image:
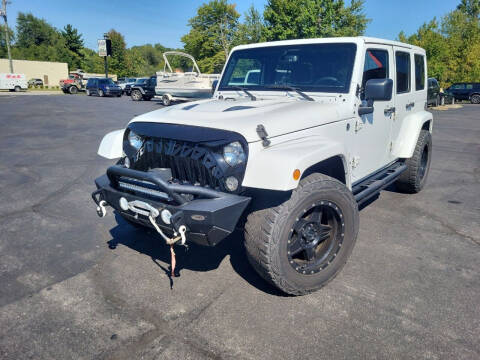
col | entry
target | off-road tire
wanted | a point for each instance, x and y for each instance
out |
(414, 178)
(136, 95)
(267, 231)
(475, 99)
(72, 90)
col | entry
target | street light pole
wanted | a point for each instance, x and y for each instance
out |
(3, 12)
(105, 36)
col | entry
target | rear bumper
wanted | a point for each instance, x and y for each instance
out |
(209, 218)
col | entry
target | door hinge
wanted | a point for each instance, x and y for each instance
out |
(358, 125)
(355, 161)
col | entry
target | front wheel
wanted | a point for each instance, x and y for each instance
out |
(17, 88)
(414, 178)
(302, 244)
(88, 92)
(73, 90)
(136, 95)
(101, 93)
(475, 99)
(166, 100)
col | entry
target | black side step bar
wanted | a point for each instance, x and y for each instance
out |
(371, 186)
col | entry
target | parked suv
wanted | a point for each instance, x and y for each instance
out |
(465, 91)
(35, 82)
(325, 126)
(144, 90)
(123, 82)
(433, 92)
(103, 87)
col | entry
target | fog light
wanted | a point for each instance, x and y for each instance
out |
(166, 216)
(231, 183)
(126, 162)
(123, 203)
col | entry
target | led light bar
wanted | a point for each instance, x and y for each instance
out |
(143, 190)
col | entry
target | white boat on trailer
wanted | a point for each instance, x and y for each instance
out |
(173, 85)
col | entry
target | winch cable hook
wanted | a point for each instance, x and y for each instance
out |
(171, 241)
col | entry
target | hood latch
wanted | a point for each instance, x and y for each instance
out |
(262, 134)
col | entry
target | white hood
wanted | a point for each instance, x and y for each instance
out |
(278, 116)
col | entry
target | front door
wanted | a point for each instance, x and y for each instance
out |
(372, 131)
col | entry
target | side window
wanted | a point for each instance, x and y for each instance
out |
(402, 60)
(420, 73)
(469, 86)
(376, 66)
(458, 86)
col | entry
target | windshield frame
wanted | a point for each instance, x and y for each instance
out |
(268, 87)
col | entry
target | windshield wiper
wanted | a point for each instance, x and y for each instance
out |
(253, 97)
(291, 88)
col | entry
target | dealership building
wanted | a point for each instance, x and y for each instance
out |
(50, 72)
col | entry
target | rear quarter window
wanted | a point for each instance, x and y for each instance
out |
(420, 73)
(402, 62)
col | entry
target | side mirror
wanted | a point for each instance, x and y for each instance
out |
(379, 89)
(376, 90)
(214, 85)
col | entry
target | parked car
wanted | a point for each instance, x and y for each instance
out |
(138, 81)
(35, 82)
(13, 82)
(465, 91)
(102, 87)
(123, 82)
(144, 90)
(433, 92)
(290, 156)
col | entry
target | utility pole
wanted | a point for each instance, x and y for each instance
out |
(3, 12)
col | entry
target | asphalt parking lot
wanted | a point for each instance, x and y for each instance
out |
(74, 286)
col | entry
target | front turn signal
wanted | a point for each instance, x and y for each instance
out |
(296, 174)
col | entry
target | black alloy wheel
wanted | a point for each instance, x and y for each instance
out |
(316, 238)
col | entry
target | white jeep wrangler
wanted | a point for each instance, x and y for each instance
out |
(320, 126)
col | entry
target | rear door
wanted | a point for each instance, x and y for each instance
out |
(407, 98)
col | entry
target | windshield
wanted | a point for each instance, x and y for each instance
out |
(311, 67)
(140, 81)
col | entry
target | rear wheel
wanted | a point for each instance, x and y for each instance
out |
(72, 89)
(475, 99)
(302, 244)
(101, 93)
(17, 88)
(88, 92)
(166, 100)
(414, 178)
(136, 95)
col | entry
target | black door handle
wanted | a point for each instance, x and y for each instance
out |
(389, 110)
(410, 105)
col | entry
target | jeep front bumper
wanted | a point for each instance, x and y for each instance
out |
(209, 218)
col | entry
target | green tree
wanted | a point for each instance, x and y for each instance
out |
(118, 62)
(470, 7)
(296, 19)
(212, 31)
(453, 45)
(74, 45)
(251, 30)
(38, 40)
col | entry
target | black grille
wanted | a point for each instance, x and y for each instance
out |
(188, 162)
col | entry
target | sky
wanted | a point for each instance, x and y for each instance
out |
(166, 21)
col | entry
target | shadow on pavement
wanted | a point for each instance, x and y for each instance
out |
(195, 258)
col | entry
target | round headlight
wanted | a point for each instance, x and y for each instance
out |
(233, 154)
(231, 183)
(135, 140)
